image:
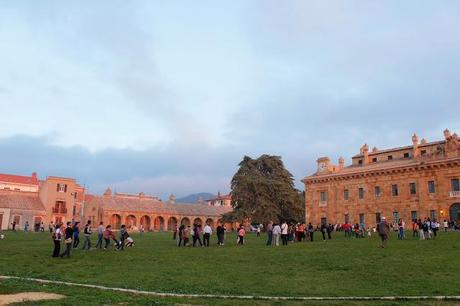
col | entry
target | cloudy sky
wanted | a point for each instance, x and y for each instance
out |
(168, 96)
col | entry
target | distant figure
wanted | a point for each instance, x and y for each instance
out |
(57, 237)
(181, 234)
(197, 234)
(51, 227)
(269, 233)
(68, 240)
(87, 232)
(76, 234)
(276, 234)
(13, 226)
(129, 242)
(284, 233)
(141, 229)
(186, 235)
(258, 231)
(207, 234)
(100, 235)
(220, 234)
(176, 229)
(108, 233)
(445, 225)
(26, 226)
(383, 228)
(323, 230)
(123, 235)
(311, 231)
(42, 227)
(401, 226)
(241, 234)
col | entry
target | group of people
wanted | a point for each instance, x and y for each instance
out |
(183, 232)
(70, 235)
(290, 232)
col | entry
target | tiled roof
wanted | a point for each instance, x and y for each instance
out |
(153, 206)
(21, 200)
(19, 179)
(434, 143)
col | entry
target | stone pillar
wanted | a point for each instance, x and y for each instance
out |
(416, 150)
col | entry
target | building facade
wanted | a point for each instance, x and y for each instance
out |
(136, 210)
(411, 182)
(220, 200)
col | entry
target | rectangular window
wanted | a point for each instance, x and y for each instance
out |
(346, 195)
(374, 160)
(347, 218)
(423, 152)
(413, 188)
(433, 215)
(406, 155)
(74, 210)
(395, 217)
(16, 220)
(377, 192)
(378, 217)
(361, 218)
(431, 187)
(361, 193)
(323, 196)
(413, 215)
(455, 184)
(61, 188)
(394, 190)
(390, 157)
(360, 162)
(324, 221)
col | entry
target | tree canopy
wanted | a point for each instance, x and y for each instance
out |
(263, 190)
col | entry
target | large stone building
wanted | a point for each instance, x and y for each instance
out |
(135, 210)
(28, 199)
(411, 182)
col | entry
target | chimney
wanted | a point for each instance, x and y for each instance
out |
(365, 152)
(416, 149)
(341, 162)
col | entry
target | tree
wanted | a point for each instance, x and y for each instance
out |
(263, 190)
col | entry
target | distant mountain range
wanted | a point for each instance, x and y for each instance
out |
(193, 198)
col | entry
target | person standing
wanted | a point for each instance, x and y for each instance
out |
(258, 231)
(269, 233)
(123, 235)
(241, 234)
(323, 229)
(414, 228)
(435, 227)
(311, 231)
(300, 232)
(276, 234)
(141, 230)
(383, 229)
(87, 232)
(175, 232)
(68, 234)
(445, 225)
(57, 237)
(329, 229)
(13, 226)
(186, 235)
(421, 234)
(76, 234)
(26, 226)
(220, 234)
(42, 227)
(401, 225)
(181, 234)
(108, 233)
(207, 231)
(284, 233)
(100, 235)
(197, 234)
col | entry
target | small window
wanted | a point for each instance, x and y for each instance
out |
(374, 160)
(406, 155)
(323, 196)
(433, 215)
(395, 217)
(361, 193)
(413, 188)
(360, 162)
(431, 187)
(61, 188)
(394, 190)
(378, 217)
(347, 218)
(361, 218)
(346, 195)
(377, 192)
(413, 215)
(423, 152)
(455, 184)
(390, 157)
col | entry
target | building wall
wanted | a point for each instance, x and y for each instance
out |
(18, 187)
(8, 216)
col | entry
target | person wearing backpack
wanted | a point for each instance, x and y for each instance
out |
(87, 232)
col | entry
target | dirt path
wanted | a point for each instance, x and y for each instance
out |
(6, 299)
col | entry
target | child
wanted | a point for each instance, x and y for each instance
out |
(129, 242)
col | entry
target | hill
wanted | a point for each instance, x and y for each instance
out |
(193, 198)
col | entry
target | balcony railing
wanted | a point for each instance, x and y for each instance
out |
(57, 210)
(454, 194)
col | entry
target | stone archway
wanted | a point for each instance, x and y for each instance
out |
(197, 221)
(210, 222)
(131, 221)
(172, 223)
(185, 221)
(454, 212)
(159, 224)
(145, 221)
(115, 221)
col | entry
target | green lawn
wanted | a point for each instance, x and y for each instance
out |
(339, 267)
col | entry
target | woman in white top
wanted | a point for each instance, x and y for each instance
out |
(276, 234)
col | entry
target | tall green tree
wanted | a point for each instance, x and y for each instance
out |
(263, 190)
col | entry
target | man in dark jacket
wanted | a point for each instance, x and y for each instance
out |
(68, 235)
(383, 229)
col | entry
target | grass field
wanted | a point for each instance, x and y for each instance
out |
(338, 267)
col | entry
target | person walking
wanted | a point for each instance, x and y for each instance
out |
(68, 234)
(383, 229)
(414, 228)
(26, 226)
(180, 235)
(220, 234)
(197, 234)
(87, 233)
(76, 234)
(13, 226)
(435, 227)
(311, 231)
(276, 234)
(51, 227)
(241, 234)
(445, 225)
(269, 233)
(57, 237)
(42, 227)
(207, 231)
(284, 233)
(186, 235)
(323, 229)
(100, 235)
(421, 234)
(108, 233)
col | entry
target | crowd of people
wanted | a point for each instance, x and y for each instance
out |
(182, 235)
(69, 235)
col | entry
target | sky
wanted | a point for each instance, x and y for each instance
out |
(167, 97)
